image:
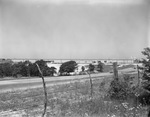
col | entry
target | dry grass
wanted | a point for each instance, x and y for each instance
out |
(71, 99)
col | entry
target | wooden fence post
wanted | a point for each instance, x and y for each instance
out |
(45, 91)
(91, 84)
(115, 70)
(136, 94)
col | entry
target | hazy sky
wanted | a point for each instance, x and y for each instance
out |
(73, 28)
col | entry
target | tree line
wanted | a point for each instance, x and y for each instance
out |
(25, 69)
(28, 69)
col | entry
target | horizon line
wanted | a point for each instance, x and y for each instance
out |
(68, 58)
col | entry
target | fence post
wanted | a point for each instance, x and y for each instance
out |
(115, 70)
(136, 94)
(138, 76)
(45, 90)
(91, 84)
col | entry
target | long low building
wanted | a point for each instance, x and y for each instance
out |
(88, 61)
(79, 61)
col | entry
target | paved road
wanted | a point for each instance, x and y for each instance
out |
(9, 85)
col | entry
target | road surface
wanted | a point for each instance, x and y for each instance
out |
(9, 85)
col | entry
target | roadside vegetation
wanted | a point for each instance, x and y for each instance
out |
(73, 99)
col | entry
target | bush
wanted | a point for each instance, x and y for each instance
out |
(144, 97)
(121, 89)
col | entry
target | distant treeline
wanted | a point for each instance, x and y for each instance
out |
(27, 69)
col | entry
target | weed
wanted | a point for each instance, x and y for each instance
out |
(74, 100)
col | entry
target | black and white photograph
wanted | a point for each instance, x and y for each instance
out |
(74, 58)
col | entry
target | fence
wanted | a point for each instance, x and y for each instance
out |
(32, 98)
(75, 96)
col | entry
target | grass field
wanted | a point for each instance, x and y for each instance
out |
(73, 99)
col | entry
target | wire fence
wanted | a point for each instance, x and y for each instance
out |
(18, 99)
(73, 92)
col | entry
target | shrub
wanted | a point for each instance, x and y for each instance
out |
(145, 95)
(121, 89)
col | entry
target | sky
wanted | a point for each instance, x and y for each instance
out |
(74, 29)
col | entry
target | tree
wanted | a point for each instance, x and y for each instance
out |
(146, 69)
(83, 68)
(145, 96)
(67, 67)
(146, 65)
(1, 72)
(27, 64)
(20, 68)
(16, 68)
(33, 69)
(100, 66)
(50, 71)
(91, 68)
(5, 69)
(43, 66)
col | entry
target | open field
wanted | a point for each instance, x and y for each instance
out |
(71, 99)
